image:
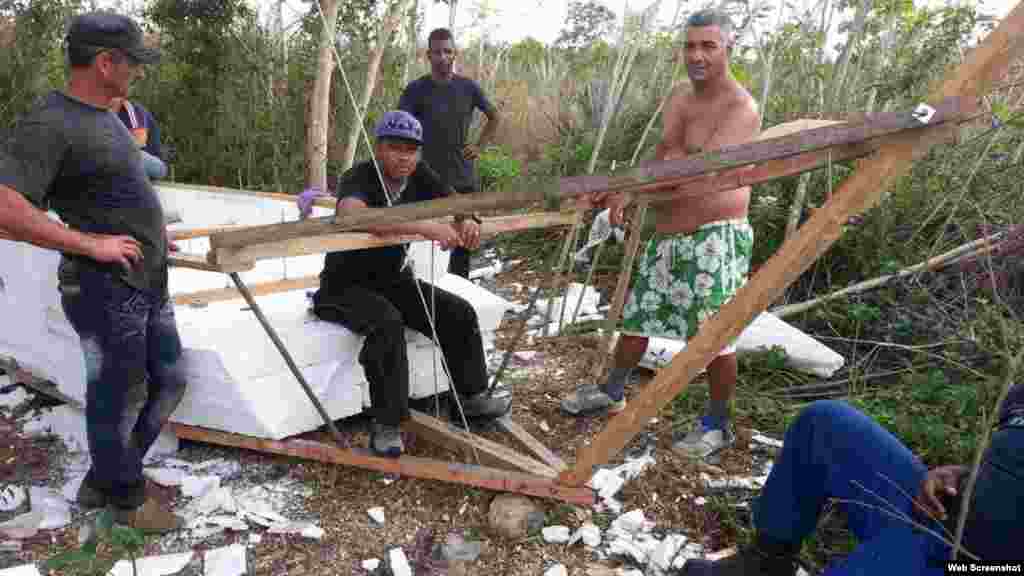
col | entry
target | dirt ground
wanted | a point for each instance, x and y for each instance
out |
(421, 513)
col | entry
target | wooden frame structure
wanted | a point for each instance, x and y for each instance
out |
(887, 144)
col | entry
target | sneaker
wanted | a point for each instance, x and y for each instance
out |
(705, 440)
(88, 497)
(151, 517)
(486, 405)
(386, 440)
(749, 561)
(591, 398)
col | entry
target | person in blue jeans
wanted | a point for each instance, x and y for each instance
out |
(70, 154)
(832, 452)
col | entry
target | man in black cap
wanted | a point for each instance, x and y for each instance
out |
(72, 155)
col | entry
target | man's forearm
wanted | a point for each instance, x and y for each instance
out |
(489, 132)
(26, 223)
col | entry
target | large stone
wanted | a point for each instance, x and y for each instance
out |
(514, 517)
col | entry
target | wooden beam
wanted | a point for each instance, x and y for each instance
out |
(411, 466)
(860, 191)
(196, 262)
(874, 126)
(491, 453)
(204, 297)
(357, 241)
(190, 233)
(531, 443)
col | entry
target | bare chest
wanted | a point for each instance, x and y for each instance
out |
(700, 127)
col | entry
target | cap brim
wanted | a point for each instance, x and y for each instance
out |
(400, 139)
(144, 55)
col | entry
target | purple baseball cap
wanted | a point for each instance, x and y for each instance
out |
(401, 125)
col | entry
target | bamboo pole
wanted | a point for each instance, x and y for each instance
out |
(590, 277)
(969, 250)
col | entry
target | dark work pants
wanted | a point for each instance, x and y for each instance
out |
(833, 451)
(134, 378)
(381, 311)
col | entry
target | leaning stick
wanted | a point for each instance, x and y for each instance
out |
(620, 289)
(590, 276)
(567, 274)
(971, 249)
(569, 241)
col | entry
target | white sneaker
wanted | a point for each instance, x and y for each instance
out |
(704, 440)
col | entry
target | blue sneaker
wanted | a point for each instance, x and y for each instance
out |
(711, 435)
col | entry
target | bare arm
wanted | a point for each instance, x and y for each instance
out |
(24, 222)
(490, 130)
(673, 132)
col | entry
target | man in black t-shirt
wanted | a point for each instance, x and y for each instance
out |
(373, 293)
(444, 102)
(71, 154)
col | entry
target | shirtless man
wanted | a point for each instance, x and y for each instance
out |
(700, 253)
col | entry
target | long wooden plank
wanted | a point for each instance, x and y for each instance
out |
(411, 466)
(874, 126)
(862, 190)
(203, 297)
(490, 453)
(197, 262)
(531, 443)
(357, 241)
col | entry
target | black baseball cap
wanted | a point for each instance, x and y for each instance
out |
(110, 30)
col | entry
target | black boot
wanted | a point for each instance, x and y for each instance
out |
(761, 559)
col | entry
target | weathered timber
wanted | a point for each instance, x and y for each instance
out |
(876, 126)
(411, 466)
(196, 262)
(531, 443)
(203, 297)
(621, 287)
(490, 453)
(190, 233)
(357, 241)
(860, 191)
(872, 126)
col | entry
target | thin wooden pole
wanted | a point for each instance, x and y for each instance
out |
(287, 357)
(569, 235)
(590, 277)
(619, 299)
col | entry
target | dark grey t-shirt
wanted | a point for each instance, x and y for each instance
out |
(81, 162)
(446, 112)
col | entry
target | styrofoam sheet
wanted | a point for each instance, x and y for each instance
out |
(803, 352)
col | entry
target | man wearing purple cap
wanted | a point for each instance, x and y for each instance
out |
(71, 154)
(373, 293)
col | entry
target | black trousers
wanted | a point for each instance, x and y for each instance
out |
(380, 310)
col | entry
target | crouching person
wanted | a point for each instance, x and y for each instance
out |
(902, 514)
(374, 294)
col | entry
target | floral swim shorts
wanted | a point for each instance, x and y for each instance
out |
(682, 280)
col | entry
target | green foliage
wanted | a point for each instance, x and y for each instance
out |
(498, 169)
(586, 22)
(118, 541)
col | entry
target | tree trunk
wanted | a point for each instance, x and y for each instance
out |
(320, 102)
(414, 14)
(391, 20)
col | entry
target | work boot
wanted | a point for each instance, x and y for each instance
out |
(750, 561)
(151, 517)
(88, 497)
(590, 398)
(386, 440)
(706, 439)
(486, 404)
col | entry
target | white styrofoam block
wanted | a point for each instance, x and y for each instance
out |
(420, 255)
(803, 352)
